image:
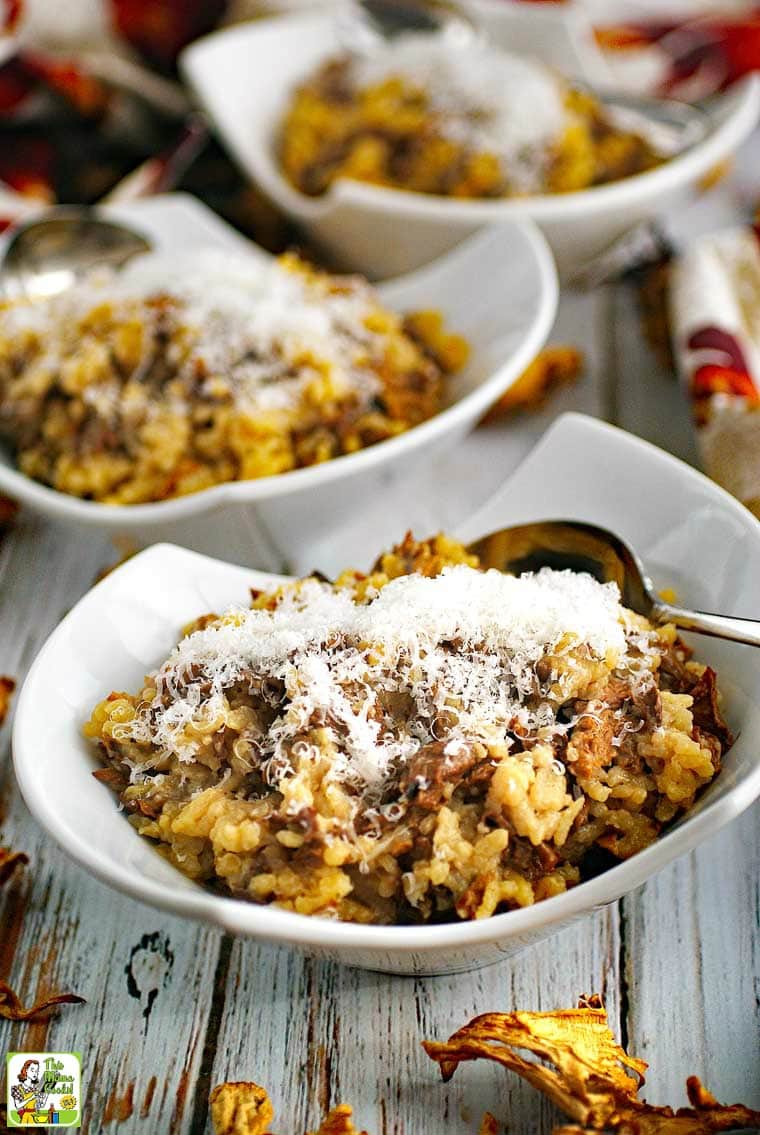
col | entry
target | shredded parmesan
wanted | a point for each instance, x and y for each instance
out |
(259, 331)
(463, 644)
(493, 101)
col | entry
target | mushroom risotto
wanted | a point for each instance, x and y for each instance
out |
(430, 741)
(177, 374)
(423, 116)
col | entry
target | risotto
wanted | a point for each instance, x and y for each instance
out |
(175, 375)
(426, 742)
(421, 116)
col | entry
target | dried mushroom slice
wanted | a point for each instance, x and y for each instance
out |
(586, 1073)
(585, 1065)
(8, 512)
(551, 369)
(240, 1109)
(244, 1108)
(7, 686)
(9, 861)
(11, 1008)
(339, 1122)
(488, 1125)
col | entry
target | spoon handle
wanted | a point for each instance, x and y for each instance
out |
(702, 622)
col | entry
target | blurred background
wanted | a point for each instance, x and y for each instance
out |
(91, 108)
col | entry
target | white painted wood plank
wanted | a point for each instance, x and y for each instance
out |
(690, 936)
(693, 970)
(315, 1034)
(147, 978)
(648, 401)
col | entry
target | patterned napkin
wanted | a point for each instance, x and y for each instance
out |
(686, 49)
(715, 295)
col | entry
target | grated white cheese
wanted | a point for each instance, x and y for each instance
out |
(491, 100)
(257, 326)
(464, 643)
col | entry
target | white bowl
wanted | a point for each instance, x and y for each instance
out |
(693, 536)
(498, 289)
(243, 75)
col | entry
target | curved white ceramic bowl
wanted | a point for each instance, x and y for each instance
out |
(242, 76)
(692, 535)
(498, 289)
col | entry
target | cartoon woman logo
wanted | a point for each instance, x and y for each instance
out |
(29, 1095)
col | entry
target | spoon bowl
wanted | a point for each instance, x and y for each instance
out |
(575, 546)
(367, 23)
(45, 256)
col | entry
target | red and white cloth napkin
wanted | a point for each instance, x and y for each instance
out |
(715, 298)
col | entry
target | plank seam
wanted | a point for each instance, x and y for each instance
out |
(199, 1119)
(624, 999)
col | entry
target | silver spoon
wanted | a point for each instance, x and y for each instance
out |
(562, 544)
(364, 24)
(46, 256)
(668, 125)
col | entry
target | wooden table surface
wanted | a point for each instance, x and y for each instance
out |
(174, 1008)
